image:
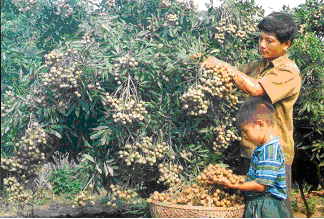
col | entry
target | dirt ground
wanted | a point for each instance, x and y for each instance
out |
(57, 208)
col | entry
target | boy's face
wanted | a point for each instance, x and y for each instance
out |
(270, 47)
(252, 132)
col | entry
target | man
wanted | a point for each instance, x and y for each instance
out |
(274, 77)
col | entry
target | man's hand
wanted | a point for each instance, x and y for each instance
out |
(220, 181)
(211, 62)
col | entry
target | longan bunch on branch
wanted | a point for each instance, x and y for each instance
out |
(187, 5)
(317, 15)
(110, 3)
(153, 26)
(16, 191)
(144, 152)
(195, 101)
(185, 154)
(218, 174)
(224, 137)
(170, 174)
(127, 109)
(170, 20)
(5, 106)
(83, 197)
(125, 62)
(11, 164)
(27, 5)
(30, 153)
(124, 193)
(217, 81)
(164, 4)
(63, 8)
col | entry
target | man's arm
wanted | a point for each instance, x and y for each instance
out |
(247, 84)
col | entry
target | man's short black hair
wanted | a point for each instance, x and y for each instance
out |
(281, 24)
(253, 109)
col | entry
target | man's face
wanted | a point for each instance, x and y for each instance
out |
(270, 47)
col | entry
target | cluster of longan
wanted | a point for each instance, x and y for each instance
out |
(124, 62)
(111, 3)
(164, 3)
(30, 154)
(29, 4)
(82, 197)
(224, 137)
(197, 195)
(194, 101)
(124, 194)
(66, 8)
(170, 174)
(62, 78)
(16, 191)
(218, 174)
(217, 82)
(185, 154)
(11, 164)
(127, 111)
(170, 20)
(144, 152)
(240, 31)
(152, 27)
(10, 97)
(317, 15)
(187, 5)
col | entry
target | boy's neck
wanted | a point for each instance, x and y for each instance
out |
(270, 135)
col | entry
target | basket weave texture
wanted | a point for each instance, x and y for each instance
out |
(165, 210)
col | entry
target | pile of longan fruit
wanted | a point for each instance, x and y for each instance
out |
(16, 191)
(218, 174)
(144, 152)
(170, 174)
(202, 193)
(128, 110)
(82, 197)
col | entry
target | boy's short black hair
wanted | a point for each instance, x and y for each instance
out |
(281, 24)
(253, 109)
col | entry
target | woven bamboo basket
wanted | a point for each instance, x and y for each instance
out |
(165, 210)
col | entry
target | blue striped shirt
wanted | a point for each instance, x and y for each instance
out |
(268, 168)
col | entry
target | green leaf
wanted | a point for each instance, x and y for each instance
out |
(88, 157)
(97, 135)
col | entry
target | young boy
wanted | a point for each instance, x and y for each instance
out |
(265, 185)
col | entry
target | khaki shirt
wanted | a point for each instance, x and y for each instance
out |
(281, 81)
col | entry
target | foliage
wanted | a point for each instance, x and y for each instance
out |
(70, 182)
(109, 88)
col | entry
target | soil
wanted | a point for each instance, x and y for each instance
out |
(58, 210)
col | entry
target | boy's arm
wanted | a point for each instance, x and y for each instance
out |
(248, 186)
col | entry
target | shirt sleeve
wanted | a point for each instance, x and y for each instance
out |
(267, 169)
(281, 83)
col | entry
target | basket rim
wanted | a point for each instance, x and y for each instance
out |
(168, 205)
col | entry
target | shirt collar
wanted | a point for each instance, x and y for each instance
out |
(273, 141)
(276, 61)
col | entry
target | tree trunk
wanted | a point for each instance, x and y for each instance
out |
(300, 186)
